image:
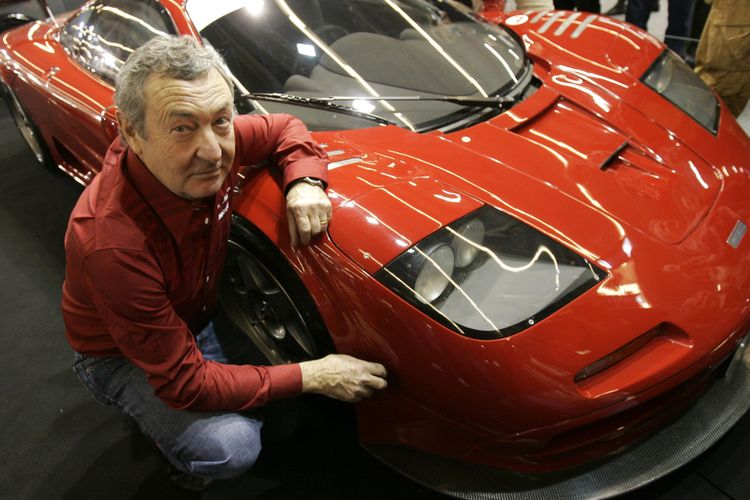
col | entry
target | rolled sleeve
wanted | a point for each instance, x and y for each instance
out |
(283, 139)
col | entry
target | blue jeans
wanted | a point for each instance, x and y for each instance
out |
(215, 445)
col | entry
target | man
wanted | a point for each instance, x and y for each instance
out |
(584, 5)
(723, 57)
(680, 13)
(145, 246)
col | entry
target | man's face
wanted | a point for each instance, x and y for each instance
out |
(189, 137)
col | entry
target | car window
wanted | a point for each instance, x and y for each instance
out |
(410, 50)
(102, 36)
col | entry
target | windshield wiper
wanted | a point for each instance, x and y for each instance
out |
(482, 102)
(314, 102)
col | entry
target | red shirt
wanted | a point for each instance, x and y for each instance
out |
(142, 268)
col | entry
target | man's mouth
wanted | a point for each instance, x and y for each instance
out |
(208, 173)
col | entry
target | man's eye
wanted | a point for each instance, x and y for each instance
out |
(223, 121)
(180, 129)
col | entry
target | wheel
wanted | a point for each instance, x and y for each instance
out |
(264, 298)
(28, 129)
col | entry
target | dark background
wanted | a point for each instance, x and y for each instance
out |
(57, 442)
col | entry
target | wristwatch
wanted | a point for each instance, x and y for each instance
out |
(312, 181)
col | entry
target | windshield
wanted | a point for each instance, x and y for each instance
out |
(368, 48)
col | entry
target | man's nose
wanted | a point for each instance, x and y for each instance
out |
(209, 148)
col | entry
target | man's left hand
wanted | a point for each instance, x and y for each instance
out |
(308, 211)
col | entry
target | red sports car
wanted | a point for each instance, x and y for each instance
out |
(539, 223)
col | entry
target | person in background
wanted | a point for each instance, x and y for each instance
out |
(535, 4)
(680, 14)
(723, 56)
(585, 5)
(520, 5)
(618, 9)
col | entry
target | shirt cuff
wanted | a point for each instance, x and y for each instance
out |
(286, 381)
(312, 167)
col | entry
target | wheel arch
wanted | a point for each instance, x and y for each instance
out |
(273, 257)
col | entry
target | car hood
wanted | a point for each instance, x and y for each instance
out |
(559, 168)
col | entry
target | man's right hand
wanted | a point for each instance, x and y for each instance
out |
(342, 377)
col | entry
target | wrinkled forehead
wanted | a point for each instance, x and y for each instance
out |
(208, 92)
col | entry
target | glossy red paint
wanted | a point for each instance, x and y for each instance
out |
(656, 219)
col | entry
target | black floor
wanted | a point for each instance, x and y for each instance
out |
(58, 443)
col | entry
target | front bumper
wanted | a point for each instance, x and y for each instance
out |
(703, 424)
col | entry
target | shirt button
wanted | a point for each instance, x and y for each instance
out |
(208, 278)
(204, 308)
(205, 221)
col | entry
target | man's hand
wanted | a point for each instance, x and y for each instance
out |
(308, 211)
(342, 377)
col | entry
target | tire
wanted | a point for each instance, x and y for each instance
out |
(28, 129)
(263, 297)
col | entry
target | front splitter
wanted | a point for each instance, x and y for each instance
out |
(707, 420)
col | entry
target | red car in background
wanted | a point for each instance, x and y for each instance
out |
(539, 223)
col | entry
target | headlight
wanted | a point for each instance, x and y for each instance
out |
(434, 275)
(467, 242)
(488, 275)
(673, 79)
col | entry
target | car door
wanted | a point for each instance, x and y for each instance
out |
(97, 41)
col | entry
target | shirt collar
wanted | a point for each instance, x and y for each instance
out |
(174, 211)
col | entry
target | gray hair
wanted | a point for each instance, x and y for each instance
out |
(182, 58)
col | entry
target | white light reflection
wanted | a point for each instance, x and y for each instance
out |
(363, 106)
(449, 197)
(203, 13)
(627, 247)
(642, 301)
(32, 30)
(289, 13)
(110, 60)
(502, 61)
(595, 202)
(516, 269)
(589, 76)
(306, 49)
(427, 257)
(500, 202)
(559, 143)
(422, 299)
(134, 19)
(459, 289)
(698, 174)
(437, 47)
(254, 7)
(45, 47)
(565, 81)
(620, 290)
(402, 241)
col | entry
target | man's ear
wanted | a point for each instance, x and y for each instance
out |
(131, 135)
